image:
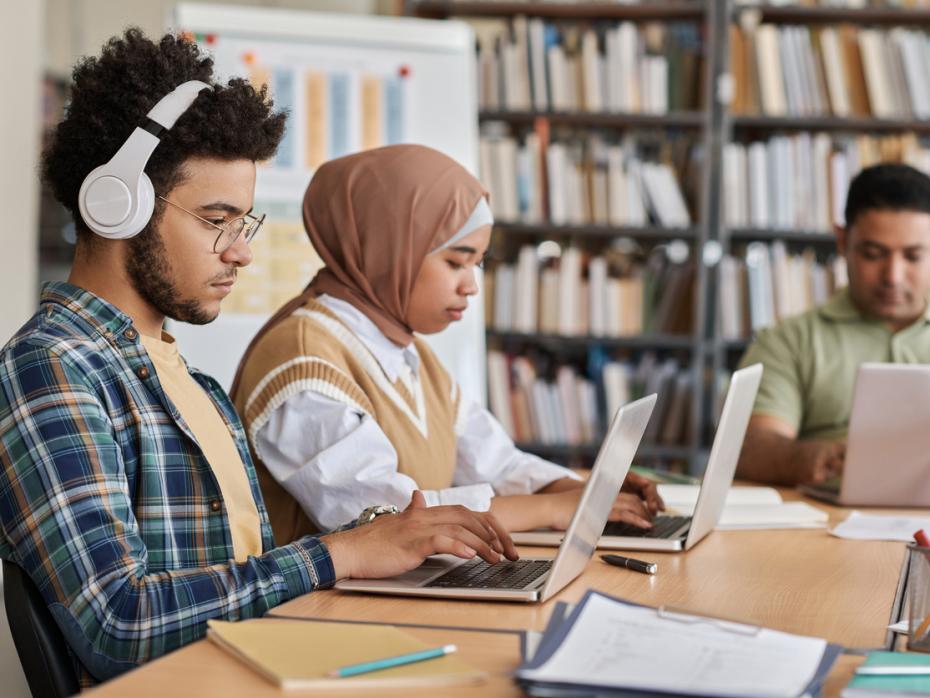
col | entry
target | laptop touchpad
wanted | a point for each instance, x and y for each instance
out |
(431, 567)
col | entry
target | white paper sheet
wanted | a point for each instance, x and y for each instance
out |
(784, 515)
(682, 498)
(858, 526)
(747, 508)
(621, 646)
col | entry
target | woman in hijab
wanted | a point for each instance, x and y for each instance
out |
(345, 407)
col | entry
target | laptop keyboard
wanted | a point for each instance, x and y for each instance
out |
(478, 574)
(662, 527)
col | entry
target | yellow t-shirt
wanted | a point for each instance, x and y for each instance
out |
(215, 440)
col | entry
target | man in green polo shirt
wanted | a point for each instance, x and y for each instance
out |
(797, 433)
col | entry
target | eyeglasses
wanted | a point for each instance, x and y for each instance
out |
(228, 232)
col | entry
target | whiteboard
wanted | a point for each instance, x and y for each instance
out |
(434, 105)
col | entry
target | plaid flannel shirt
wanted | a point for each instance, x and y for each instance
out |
(107, 501)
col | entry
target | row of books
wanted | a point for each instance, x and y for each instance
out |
(768, 284)
(851, 4)
(555, 404)
(530, 64)
(800, 181)
(841, 70)
(580, 181)
(576, 294)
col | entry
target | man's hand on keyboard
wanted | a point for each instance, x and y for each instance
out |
(394, 544)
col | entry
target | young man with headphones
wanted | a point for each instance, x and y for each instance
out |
(127, 493)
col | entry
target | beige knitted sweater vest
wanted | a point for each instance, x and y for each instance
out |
(313, 350)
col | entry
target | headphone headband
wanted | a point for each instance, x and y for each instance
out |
(116, 200)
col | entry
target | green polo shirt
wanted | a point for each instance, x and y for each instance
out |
(811, 361)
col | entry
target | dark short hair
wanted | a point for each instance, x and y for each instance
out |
(887, 187)
(111, 94)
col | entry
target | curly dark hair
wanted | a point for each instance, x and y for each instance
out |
(111, 94)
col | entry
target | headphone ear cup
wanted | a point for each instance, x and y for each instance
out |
(104, 201)
(144, 209)
(105, 197)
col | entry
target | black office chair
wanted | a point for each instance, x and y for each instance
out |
(39, 643)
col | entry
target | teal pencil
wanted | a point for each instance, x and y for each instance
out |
(388, 662)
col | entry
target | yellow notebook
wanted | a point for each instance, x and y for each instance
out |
(296, 654)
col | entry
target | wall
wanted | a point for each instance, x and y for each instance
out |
(20, 73)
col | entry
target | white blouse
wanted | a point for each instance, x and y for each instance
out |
(335, 460)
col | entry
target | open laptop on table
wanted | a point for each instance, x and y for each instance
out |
(673, 533)
(888, 448)
(534, 579)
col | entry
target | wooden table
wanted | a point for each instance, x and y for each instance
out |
(799, 581)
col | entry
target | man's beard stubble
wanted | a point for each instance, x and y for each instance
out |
(150, 273)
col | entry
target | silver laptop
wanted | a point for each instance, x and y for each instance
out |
(673, 533)
(534, 579)
(888, 446)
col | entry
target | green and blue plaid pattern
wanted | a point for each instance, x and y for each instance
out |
(107, 501)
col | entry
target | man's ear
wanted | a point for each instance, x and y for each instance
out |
(842, 238)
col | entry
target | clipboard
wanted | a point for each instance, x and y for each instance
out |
(556, 634)
(679, 615)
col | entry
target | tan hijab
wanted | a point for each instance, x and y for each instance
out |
(373, 217)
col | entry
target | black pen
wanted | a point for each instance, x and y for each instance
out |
(630, 563)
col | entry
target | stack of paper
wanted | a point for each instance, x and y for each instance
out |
(747, 508)
(880, 527)
(299, 655)
(611, 647)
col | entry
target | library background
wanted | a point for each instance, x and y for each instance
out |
(664, 175)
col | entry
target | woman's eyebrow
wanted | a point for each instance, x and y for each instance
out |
(464, 249)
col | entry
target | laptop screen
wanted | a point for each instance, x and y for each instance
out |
(610, 469)
(724, 454)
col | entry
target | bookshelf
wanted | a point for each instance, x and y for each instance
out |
(679, 119)
(561, 343)
(803, 237)
(822, 13)
(687, 121)
(840, 102)
(641, 232)
(671, 9)
(827, 128)
(849, 124)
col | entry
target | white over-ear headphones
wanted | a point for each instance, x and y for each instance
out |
(117, 199)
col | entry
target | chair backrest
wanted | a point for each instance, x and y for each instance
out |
(39, 643)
